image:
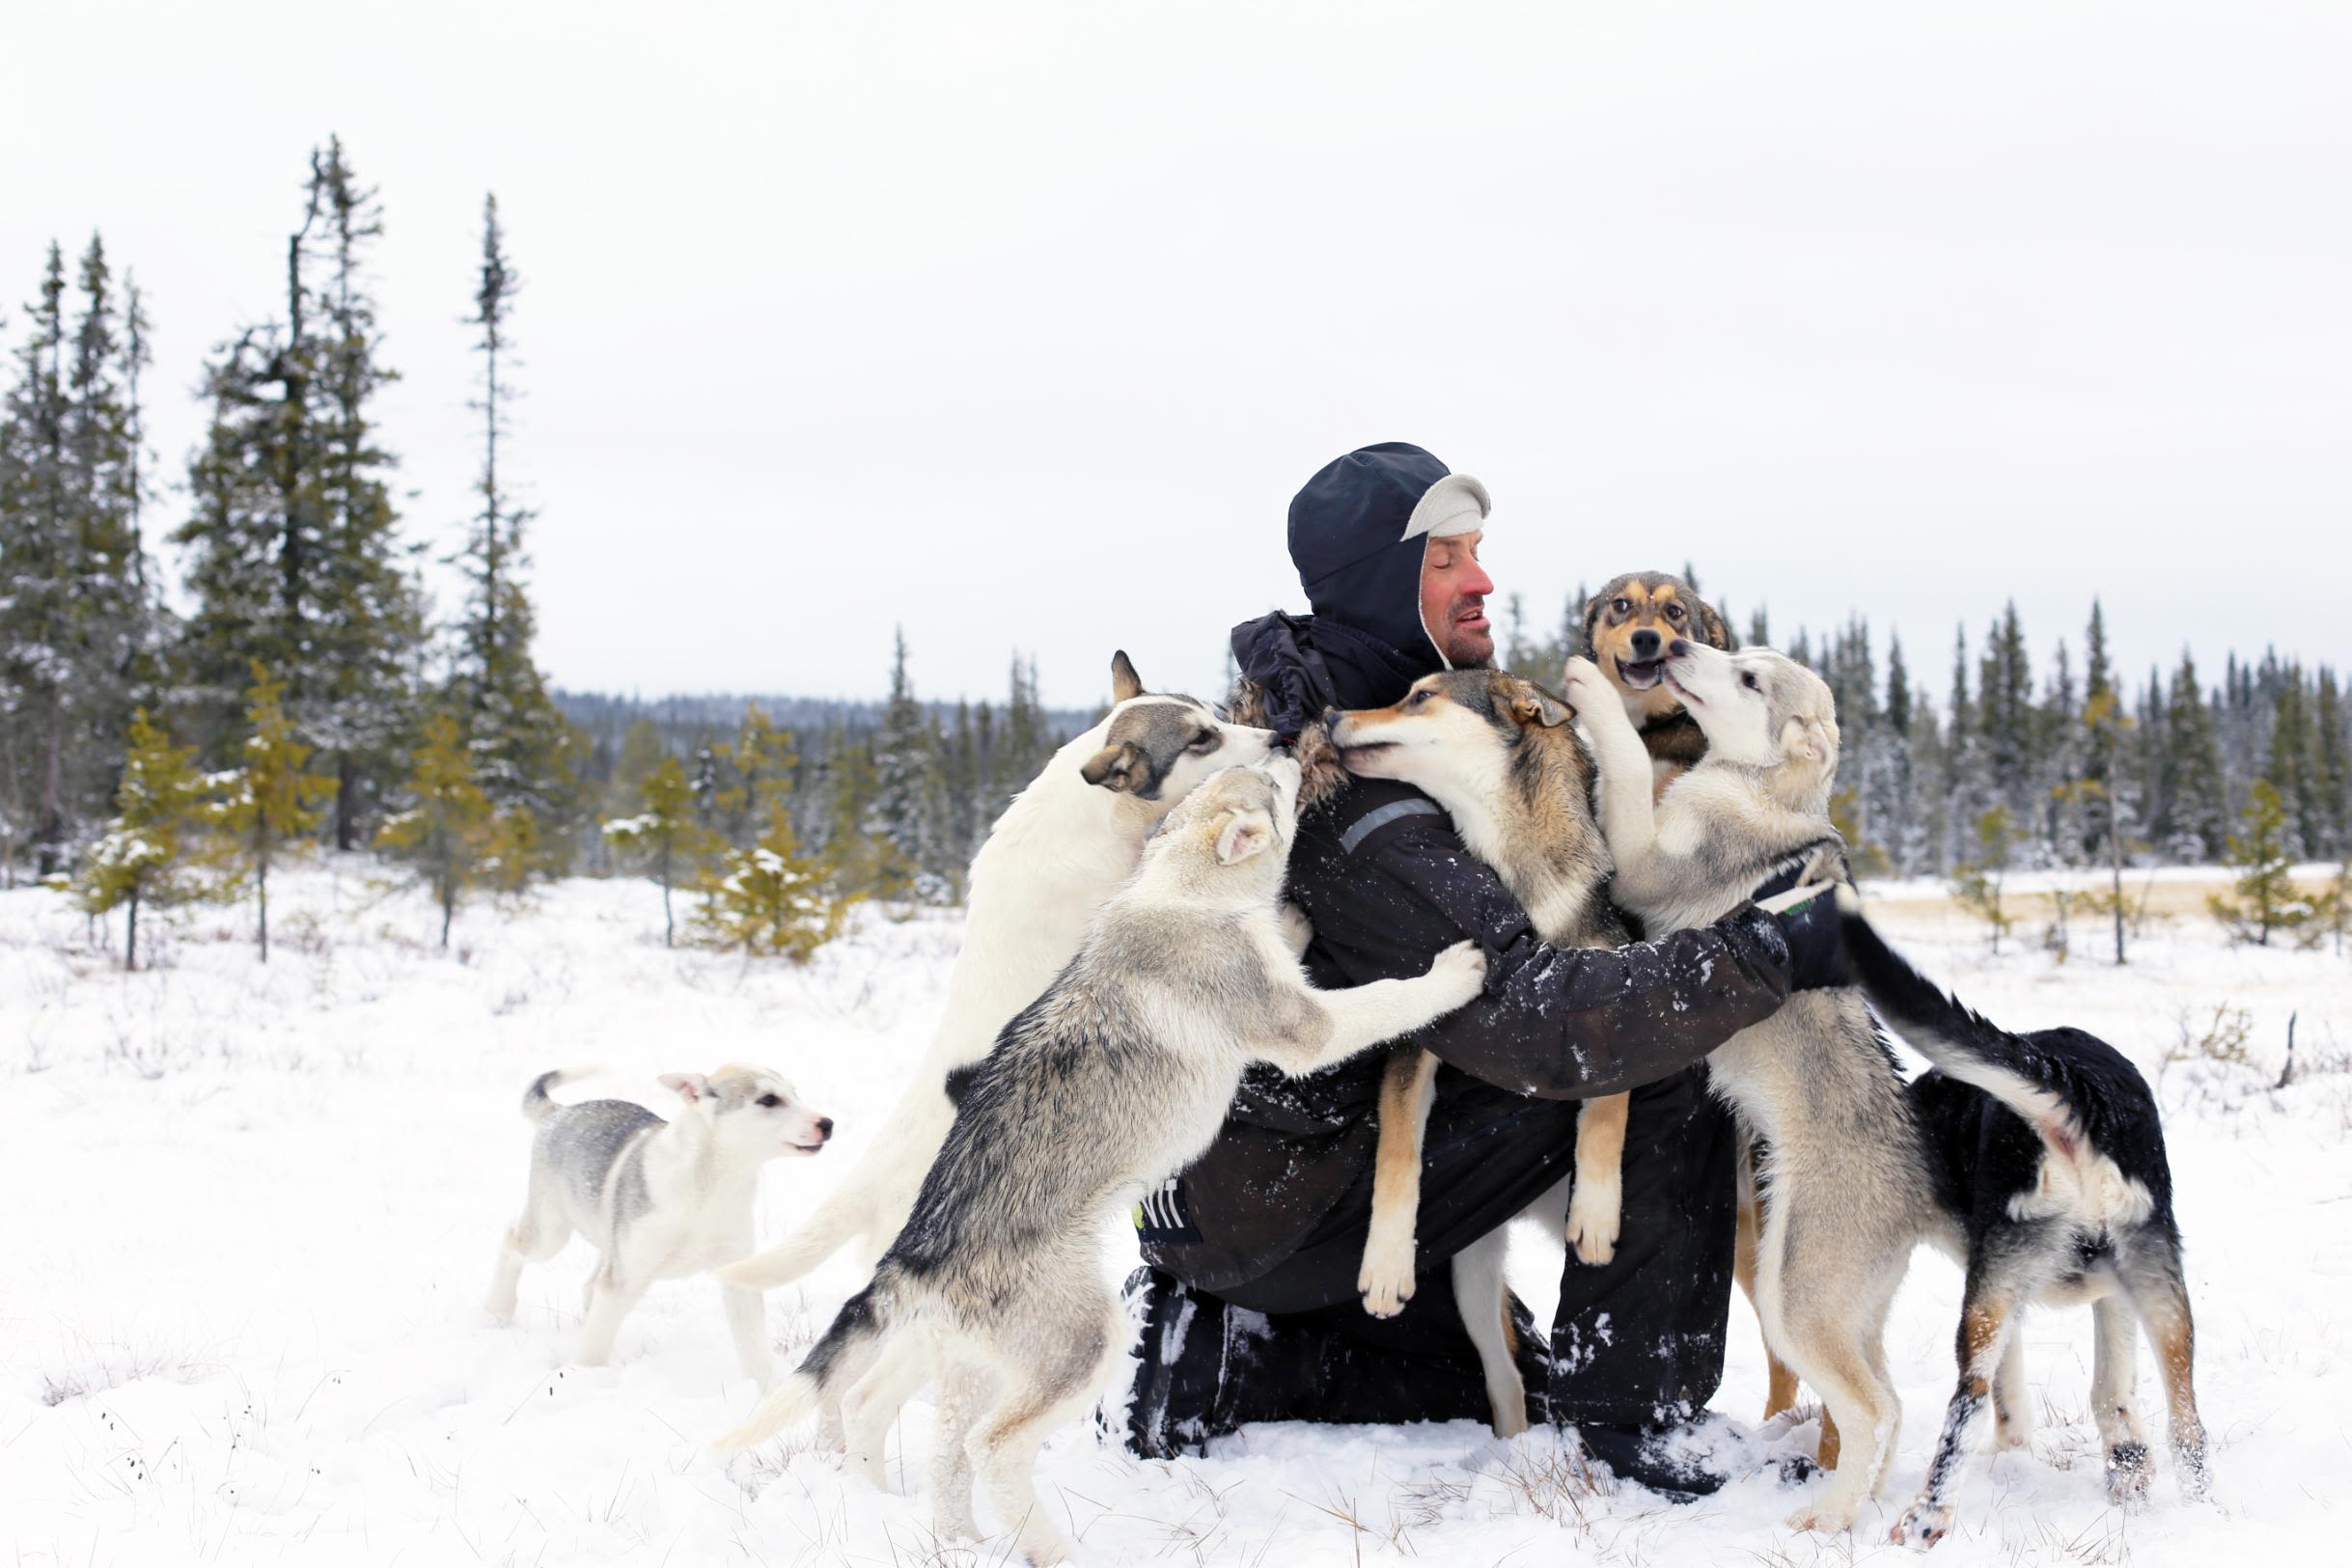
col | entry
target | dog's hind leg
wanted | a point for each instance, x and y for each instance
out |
(1596, 1207)
(1781, 1381)
(2153, 1276)
(1479, 1296)
(2012, 1403)
(1987, 1323)
(611, 1297)
(1833, 1335)
(874, 1401)
(534, 1238)
(1036, 1398)
(2115, 1400)
(961, 1390)
(1385, 1278)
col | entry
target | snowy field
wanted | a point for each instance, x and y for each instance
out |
(251, 1213)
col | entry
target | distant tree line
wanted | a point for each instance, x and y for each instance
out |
(308, 694)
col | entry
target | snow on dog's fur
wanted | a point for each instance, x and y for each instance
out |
(1115, 1079)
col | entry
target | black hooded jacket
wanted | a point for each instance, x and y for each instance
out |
(1386, 883)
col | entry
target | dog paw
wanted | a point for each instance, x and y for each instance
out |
(1921, 1526)
(2011, 1429)
(2127, 1474)
(1593, 1220)
(1586, 688)
(1463, 969)
(1297, 930)
(1826, 1515)
(1385, 1282)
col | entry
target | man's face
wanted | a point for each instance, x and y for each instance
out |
(1454, 589)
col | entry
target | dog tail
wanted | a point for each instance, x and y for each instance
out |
(1953, 1036)
(537, 1104)
(862, 1317)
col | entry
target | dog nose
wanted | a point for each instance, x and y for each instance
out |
(1645, 645)
(825, 1126)
(1677, 647)
(1332, 716)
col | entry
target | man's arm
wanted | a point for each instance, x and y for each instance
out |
(1558, 1023)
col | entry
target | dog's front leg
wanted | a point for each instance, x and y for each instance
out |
(1385, 1278)
(1625, 798)
(1362, 1016)
(747, 1322)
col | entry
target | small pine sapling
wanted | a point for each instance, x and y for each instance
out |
(445, 832)
(666, 835)
(772, 899)
(159, 851)
(1975, 883)
(273, 799)
(2265, 899)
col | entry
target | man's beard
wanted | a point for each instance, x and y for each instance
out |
(1464, 648)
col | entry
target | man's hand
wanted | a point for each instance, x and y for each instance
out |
(1817, 952)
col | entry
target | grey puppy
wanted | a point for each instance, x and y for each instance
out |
(1114, 1080)
(661, 1199)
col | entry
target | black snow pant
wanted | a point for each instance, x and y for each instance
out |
(1637, 1342)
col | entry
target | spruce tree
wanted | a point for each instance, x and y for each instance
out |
(156, 853)
(1976, 881)
(2193, 784)
(524, 751)
(293, 550)
(445, 826)
(274, 797)
(2332, 767)
(38, 567)
(902, 760)
(2290, 766)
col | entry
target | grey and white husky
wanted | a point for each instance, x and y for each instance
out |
(1860, 1167)
(661, 1199)
(1114, 1080)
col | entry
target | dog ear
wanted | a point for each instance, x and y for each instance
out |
(1121, 767)
(1810, 738)
(691, 1087)
(1592, 618)
(1124, 681)
(1538, 706)
(1243, 834)
(1713, 630)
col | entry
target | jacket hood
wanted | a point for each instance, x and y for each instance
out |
(1359, 529)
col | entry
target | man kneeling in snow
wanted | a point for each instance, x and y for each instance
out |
(1249, 1290)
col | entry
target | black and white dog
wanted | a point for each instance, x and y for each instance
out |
(2047, 1151)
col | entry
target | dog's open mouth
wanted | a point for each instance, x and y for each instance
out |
(1350, 756)
(1640, 674)
(808, 1148)
(1678, 688)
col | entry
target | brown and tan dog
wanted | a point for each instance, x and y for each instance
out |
(1628, 626)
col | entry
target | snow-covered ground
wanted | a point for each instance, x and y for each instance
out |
(251, 1210)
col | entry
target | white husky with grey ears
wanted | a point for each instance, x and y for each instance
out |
(1114, 1080)
(661, 1199)
(1061, 848)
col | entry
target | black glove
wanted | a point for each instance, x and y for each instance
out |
(1816, 953)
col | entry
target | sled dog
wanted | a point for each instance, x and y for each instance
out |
(1500, 755)
(1845, 1189)
(1060, 849)
(1115, 1079)
(661, 1199)
(1860, 1167)
(2046, 1151)
(1627, 626)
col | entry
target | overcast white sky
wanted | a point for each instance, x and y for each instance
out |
(1020, 322)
